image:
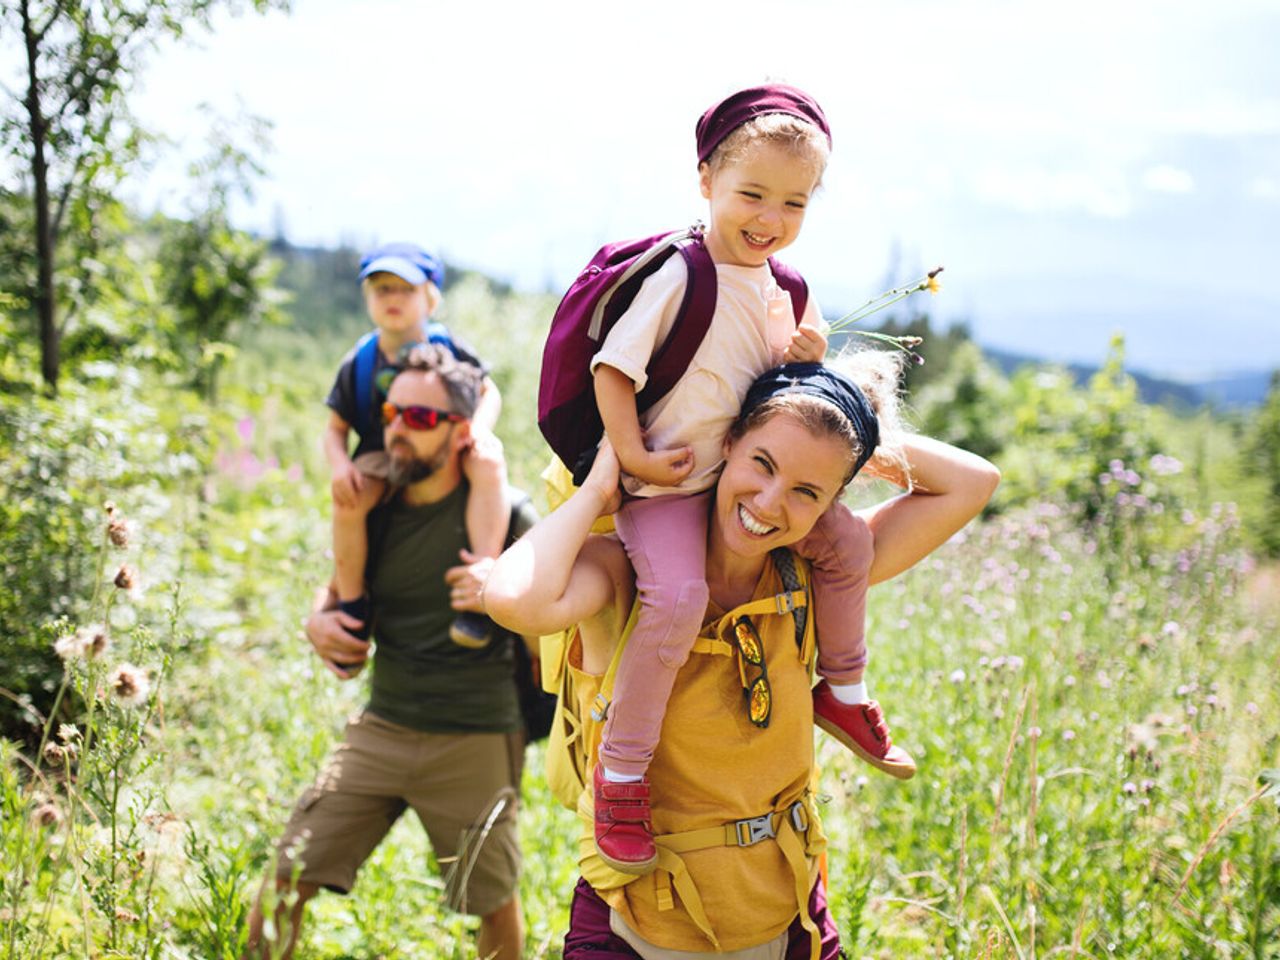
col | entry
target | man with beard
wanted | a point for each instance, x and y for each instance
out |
(442, 729)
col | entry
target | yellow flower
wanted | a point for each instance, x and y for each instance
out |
(932, 285)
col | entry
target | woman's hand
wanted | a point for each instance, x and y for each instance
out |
(604, 477)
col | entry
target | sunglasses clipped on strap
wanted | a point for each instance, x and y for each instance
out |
(418, 418)
(756, 691)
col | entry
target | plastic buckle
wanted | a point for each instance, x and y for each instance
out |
(754, 829)
(799, 816)
(785, 602)
(599, 709)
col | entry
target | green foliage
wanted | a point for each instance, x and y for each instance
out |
(1261, 456)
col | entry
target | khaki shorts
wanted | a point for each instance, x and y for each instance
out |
(464, 788)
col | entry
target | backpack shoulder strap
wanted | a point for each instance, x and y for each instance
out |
(784, 562)
(693, 319)
(789, 279)
(366, 359)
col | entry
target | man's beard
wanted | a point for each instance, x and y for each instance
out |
(407, 469)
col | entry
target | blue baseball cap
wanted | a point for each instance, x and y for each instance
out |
(408, 261)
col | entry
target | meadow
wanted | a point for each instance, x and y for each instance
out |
(1087, 677)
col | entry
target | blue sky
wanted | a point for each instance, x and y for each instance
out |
(1078, 169)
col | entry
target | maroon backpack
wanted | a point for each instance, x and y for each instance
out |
(567, 413)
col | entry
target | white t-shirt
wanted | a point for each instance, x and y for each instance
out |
(749, 333)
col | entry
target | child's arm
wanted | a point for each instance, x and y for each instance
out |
(948, 488)
(346, 480)
(616, 399)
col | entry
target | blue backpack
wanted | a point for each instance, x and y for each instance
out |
(567, 413)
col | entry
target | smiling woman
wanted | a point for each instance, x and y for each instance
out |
(737, 835)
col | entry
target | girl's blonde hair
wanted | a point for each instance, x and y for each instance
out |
(799, 137)
(878, 374)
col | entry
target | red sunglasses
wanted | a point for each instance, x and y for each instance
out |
(418, 418)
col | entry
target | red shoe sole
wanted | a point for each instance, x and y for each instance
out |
(636, 868)
(902, 771)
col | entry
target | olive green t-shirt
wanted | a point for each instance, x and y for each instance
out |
(421, 678)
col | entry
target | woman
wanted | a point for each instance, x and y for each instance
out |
(732, 812)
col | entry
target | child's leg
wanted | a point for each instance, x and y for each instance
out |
(351, 539)
(839, 550)
(666, 540)
(488, 515)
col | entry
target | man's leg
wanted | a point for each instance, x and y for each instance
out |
(502, 932)
(288, 921)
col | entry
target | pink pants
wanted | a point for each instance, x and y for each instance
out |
(666, 541)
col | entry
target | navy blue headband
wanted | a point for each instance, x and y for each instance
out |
(815, 380)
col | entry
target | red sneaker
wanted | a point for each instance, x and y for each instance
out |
(624, 831)
(862, 729)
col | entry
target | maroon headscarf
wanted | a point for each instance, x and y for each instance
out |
(735, 110)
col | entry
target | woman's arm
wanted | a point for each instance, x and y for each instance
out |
(949, 487)
(555, 576)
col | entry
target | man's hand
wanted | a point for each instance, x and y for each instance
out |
(342, 653)
(346, 484)
(808, 345)
(466, 582)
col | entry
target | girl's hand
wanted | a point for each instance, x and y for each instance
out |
(346, 485)
(808, 345)
(662, 468)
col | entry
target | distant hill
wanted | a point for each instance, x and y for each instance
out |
(1247, 389)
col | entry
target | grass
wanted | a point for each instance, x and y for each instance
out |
(1092, 707)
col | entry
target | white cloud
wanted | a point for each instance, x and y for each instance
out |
(1264, 188)
(1036, 190)
(1167, 179)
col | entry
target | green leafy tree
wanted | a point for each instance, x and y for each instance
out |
(1262, 458)
(71, 130)
(218, 280)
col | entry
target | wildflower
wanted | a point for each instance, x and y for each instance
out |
(47, 814)
(68, 732)
(1171, 628)
(118, 532)
(861, 782)
(1068, 735)
(1116, 466)
(1191, 710)
(1251, 708)
(1148, 785)
(54, 755)
(94, 641)
(1165, 466)
(957, 676)
(126, 916)
(129, 684)
(1065, 616)
(1034, 733)
(1129, 788)
(1211, 701)
(1068, 681)
(126, 578)
(67, 647)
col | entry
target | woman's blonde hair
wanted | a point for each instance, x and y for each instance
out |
(799, 137)
(878, 374)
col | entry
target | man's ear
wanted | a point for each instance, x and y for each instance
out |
(462, 435)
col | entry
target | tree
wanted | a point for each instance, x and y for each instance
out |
(72, 131)
(1261, 456)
